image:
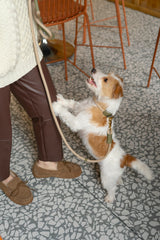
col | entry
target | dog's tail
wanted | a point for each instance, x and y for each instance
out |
(140, 167)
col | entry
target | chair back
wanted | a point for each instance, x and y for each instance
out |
(54, 11)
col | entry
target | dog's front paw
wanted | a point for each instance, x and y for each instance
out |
(60, 99)
(57, 108)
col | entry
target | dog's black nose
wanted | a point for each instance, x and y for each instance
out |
(93, 70)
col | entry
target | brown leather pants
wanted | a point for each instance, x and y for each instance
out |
(30, 93)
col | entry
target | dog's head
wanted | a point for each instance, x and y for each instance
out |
(109, 85)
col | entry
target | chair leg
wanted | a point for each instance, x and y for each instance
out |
(90, 39)
(84, 23)
(84, 30)
(154, 55)
(125, 19)
(75, 41)
(120, 29)
(92, 13)
(64, 49)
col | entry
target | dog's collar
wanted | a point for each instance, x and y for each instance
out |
(104, 111)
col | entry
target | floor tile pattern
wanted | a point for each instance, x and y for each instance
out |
(75, 209)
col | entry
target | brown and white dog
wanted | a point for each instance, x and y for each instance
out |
(86, 118)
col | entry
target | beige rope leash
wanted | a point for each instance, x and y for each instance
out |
(48, 94)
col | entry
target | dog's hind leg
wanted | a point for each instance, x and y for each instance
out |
(110, 197)
(109, 183)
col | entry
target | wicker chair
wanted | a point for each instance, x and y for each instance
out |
(58, 12)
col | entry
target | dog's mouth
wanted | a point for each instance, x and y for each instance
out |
(91, 82)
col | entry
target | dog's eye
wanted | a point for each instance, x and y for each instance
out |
(105, 79)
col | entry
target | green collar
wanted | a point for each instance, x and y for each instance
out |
(104, 111)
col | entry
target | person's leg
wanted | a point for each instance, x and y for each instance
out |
(30, 93)
(10, 183)
(5, 133)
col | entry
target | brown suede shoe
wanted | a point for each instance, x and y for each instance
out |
(64, 170)
(17, 191)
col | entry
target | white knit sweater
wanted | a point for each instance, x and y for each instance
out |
(16, 49)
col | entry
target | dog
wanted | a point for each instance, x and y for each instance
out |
(87, 118)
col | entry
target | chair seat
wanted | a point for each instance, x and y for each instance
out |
(60, 11)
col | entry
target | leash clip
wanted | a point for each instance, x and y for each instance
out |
(107, 114)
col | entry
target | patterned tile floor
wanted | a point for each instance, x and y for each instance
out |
(75, 209)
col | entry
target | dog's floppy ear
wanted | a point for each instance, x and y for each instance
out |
(117, 91)
(120, 78)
